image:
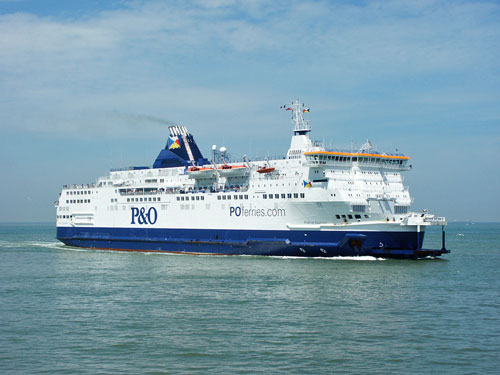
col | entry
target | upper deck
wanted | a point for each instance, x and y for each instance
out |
(180, 167)
(366, 159)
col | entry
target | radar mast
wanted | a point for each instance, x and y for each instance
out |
(301, 126)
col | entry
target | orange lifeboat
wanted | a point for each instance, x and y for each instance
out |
(232, 170)
(266, 170)
(198, 172)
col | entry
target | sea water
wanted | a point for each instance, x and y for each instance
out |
(65, 310)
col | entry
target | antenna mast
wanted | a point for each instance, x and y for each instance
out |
(301, 126)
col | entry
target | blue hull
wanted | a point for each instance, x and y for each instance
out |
(250, 242)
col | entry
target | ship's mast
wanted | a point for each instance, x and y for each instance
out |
(301, 127)
(300, 140)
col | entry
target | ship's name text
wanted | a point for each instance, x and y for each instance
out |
(144, 217)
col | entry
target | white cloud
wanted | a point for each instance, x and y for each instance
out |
(221, 58)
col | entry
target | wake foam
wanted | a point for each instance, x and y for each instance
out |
(60, 246)
(31, 244)
(363, 258)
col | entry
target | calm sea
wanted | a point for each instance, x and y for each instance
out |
(65, 310)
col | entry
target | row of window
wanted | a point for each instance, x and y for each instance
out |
(351, 217)
(324, 158)
(295, 154)
(235, 197)
(142, 191)
(146, 199)
(198, 198)
(79, 192)
(64, 216)
(193, 198)
(78, 201)
(283, 196)
(199, 189)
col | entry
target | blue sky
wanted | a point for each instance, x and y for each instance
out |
(90, 85)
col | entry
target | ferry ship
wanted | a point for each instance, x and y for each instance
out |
(312, 202)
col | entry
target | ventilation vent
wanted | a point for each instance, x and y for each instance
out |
(401, 209)
(358, 208)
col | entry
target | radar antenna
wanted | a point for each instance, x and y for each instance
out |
(366, 148)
